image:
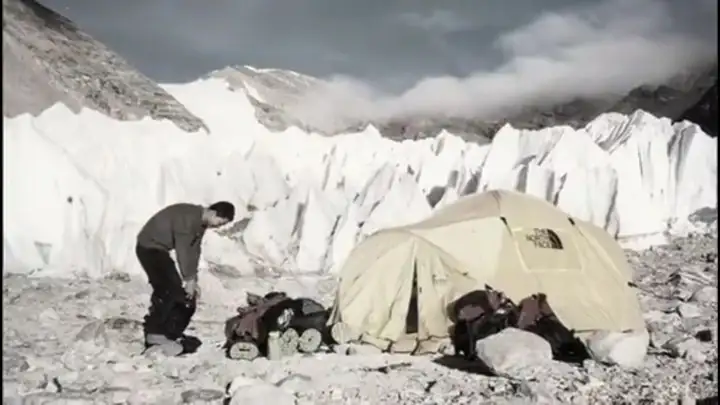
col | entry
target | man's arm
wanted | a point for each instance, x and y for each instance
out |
(187, 251)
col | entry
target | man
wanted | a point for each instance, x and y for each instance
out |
(178, 227)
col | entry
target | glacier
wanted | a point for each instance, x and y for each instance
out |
(78, 187)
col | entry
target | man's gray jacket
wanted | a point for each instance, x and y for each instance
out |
(179, 227)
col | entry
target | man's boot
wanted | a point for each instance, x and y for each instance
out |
(160, 343)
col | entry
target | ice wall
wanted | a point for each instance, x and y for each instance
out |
(79, 187)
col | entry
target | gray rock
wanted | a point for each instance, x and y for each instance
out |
(81, 353)
(623, 349)
(65, 380)
(12, 388)
(123, 324)
(696, 355)
(686, 347)
(93, 331)
(118, 395)
(711, 257)
(169, 349)
(705, 294)
(241, 382)
(12, 399)
(686, 280)
(86, 381)
(201, 396)
(119, 276)
(48, 398)
(658, 338)
(123, 367)
(295, 383)
(151, 397)
(34, 380)
(341, 349)
(262, 394)
(688, 311)
(683, 294)
(360, 349)
(654, 316)
(47, 59)
(123, 380)
(510, 351)
(14, 363)
(48, 316)
(536, 394)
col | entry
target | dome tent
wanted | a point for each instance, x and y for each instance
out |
(515, 243)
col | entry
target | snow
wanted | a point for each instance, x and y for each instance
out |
(80, 186)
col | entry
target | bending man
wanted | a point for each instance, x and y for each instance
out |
(178, 227)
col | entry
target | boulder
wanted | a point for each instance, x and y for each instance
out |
(510, 351)
(688, 311)
(623, 349)
(687, 348)
(252, 391)
(705, 294)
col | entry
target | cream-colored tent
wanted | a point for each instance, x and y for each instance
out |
(515, 243)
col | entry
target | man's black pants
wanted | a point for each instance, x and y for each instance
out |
(170, 310)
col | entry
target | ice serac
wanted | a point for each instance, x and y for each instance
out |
(317, 223)
(53, 211)
(693, 172)
(575, 162)
(655, 192)
(512, 149)
(269, 234)
(345, 238)
(305, 200)
(401, 202)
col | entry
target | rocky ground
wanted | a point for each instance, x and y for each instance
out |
(79, 342)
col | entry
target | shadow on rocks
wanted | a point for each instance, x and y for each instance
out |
(708, 401)
(460, 363)
(123, 324)
(190, 344)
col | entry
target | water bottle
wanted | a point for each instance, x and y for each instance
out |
(274, 351)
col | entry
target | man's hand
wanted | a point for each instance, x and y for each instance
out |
(192, 290)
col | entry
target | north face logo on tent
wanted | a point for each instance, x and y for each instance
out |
(544, 239)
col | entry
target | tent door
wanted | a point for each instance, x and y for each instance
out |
(412, 318)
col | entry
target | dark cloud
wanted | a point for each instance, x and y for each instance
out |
(385, 42)
(467, 57)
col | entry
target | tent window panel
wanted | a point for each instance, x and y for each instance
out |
(546, 250)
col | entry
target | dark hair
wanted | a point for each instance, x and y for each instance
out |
(273, 294)
(224, 209)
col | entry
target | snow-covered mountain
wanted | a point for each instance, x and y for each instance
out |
(275, 94)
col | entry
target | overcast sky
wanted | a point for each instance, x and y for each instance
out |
(179, 40)
(459, 51)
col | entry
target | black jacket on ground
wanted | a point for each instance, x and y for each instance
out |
(176, 227)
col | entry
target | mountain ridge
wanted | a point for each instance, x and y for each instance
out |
(687, 95)
(47, 59)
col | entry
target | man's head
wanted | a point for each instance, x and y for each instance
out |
(218, 214)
